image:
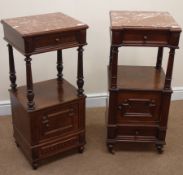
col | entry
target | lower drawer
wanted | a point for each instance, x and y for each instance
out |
(137, 131)
(57, 147)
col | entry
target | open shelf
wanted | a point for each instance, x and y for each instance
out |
(140, 78)
(48, 93)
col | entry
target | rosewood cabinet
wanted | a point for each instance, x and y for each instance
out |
(48, 116)
(139, 96)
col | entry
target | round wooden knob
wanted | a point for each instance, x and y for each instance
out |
(44, 117)
(71, 110)
(57, 39)
(119, 107)
(145, 37)
(136, 133)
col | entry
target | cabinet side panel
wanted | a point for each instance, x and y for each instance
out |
(111, 127)
(166, 97)
(13, 38)
(82, 122)
(21, 126)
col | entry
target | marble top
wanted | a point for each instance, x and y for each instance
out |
(46, 23)
(142, 19)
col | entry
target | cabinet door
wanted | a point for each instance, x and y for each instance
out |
(60, 120)
(137, 133)
(138, 106)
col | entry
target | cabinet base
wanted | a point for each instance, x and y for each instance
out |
(55, 126)
(112, 143)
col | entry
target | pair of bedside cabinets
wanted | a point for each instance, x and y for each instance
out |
(49, 116)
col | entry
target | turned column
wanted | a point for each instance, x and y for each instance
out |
(12, 73)
(110, 57)
(80, 81)
(159, 58)
(169, 70)
(30, 93)
(114, 66)
(59, 65)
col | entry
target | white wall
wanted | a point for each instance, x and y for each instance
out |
(96, 14)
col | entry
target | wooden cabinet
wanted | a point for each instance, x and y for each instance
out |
(139, 96)
(48, 116)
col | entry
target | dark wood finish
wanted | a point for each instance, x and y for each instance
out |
(80, 81)
(169, 71)
(139, 96)
(56, 125)
(114, 62)
(12, 68)
(139, 78)
(59, 91)
(159, 58)
(110, 57)
(51, 118)
(30, 93)
(59, 65)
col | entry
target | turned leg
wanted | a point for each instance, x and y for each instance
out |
(81, 149)
(114, 66)
(80, 81)
(110, 147)
(59, 65)
(159, 58)
(110, 57)
(159, 148)
(169, 71)
(12, 72)
(30, 93)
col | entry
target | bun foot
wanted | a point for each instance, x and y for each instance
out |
(35, 165)
(111, 148)
(81, 149)
(159, 148)
(17, 144)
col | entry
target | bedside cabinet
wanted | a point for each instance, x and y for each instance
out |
(48, 116)
(139, 96)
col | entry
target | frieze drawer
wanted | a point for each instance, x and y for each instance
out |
(141, 37)
(55, 40)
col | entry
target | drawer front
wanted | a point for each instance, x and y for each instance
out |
(57, 147)
(143, 37)
(56, 122)
(138, 106)
(139, 131)
(55, 40)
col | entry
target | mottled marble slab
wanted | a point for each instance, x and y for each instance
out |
(142, 19)
(30, 25)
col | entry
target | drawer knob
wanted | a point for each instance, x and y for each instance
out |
(145, 37)
(136, 133)
(57, 39)
(71, 110)
(44, 117)
(119, 107)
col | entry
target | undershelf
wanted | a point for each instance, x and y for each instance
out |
(139, 78)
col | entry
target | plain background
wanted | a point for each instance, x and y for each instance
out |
(95, 13)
